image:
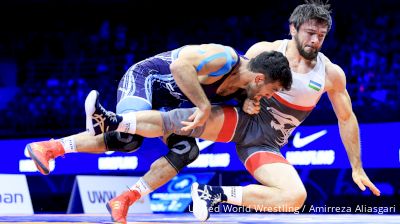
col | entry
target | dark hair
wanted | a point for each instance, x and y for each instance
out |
(313, 9)
(275, 67)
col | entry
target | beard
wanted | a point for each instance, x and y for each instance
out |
(307, 55)
(251, 93)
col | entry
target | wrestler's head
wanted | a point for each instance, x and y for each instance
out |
(309, 25)
(272, 73)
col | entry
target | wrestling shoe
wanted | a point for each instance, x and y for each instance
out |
(98, 119)
(204, 198)
(118, 207)
(42, 152)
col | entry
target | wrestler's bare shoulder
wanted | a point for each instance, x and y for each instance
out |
(335, 76)
(259, 47)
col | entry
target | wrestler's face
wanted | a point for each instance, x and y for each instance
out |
(309, 38)
(258, 89)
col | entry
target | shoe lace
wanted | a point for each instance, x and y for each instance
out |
(119, 209)
(102, 116)
(213, 198)
(122, 205)
(53, 153)
(216, 199)
(50, 154)
(109, 114)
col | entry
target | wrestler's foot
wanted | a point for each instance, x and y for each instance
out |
(118, 207)
(42, 152)
(204, 198)
(98, 119)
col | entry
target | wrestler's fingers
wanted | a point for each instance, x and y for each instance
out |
(372, 187)
(192, 117)
(187, 125)
(360, 184)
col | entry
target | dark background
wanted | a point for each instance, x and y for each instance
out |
(52, 53)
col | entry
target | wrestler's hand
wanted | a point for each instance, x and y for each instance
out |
(251, 106)
(198, 118)
(362, 180)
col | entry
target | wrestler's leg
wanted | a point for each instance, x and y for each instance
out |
(281, 188)
(88, 143)
(155, 124)
(42, 152)
(150, 124)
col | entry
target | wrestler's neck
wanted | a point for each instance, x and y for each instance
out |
(239, 79)
(242, 77)
(296, 61)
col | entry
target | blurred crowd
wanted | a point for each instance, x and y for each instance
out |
(59, 64)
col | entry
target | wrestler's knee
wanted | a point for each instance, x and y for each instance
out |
(183, 151)
(294, 197)
(122, 142)
(272, 169)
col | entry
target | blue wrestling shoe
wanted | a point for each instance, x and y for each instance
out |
(98, 119)
(204, 198)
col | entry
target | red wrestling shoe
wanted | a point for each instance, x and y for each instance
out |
(42, 152)
(118, 207)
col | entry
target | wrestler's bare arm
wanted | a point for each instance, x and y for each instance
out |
(191, 68)
(348, 124)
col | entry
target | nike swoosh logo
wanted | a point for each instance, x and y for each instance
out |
(299, 142)
(204, 144)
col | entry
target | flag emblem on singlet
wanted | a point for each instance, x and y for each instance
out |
(314, 85)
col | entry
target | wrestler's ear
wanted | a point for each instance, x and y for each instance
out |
(293, 30)
(259, 78)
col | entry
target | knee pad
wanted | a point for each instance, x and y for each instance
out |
(122, 142)
(182, 151)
